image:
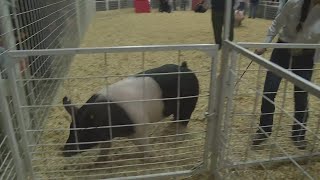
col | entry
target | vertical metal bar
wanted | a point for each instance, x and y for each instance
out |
(20, 115)
(7, 125)
(230, 94)
(78, 13)
(218, 111)
(20, 40)
(92, 9)
(22, 91)
(9, 41)
(264, 10)
(212, 100)
(6, 26)
(227, 19)
(258, 87)
(145, 146)
(107, 5)
(119, 4)
(108, 94)
(178, 118)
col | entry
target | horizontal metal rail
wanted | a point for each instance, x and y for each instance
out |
(278, 45)
(278, 70)
(285, 159)
(96, 50)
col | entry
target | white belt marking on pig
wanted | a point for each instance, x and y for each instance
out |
(137, 88)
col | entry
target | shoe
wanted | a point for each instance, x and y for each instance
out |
(300, 142)
(260, 137)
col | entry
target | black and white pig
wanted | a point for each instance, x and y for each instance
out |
(147, 86)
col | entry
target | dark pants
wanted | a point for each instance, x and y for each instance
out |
(217, 23)
(271, 86)
(253, 9)
(242, 6)
(183, 5)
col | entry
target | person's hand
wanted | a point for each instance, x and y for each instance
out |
(260, 51)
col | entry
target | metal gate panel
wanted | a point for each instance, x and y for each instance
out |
(93, 68)
(243, 75)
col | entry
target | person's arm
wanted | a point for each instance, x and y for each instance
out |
(277, 24)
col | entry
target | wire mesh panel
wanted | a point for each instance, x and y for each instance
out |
(101, 5)
(12, 157)
(267, 9)
(7, 163)
(43, 25)
(7, 168)
(133, 141)
(286, 153)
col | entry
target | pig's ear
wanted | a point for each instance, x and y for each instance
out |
(84, 108)
(93, 98)
(71, 109)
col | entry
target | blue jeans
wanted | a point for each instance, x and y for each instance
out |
(302, 65)
(253, 9)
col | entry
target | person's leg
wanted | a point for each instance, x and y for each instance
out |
(174, 7)
(271, 86)
(254, 11)
(303, 66)
(231, 34)
(217, 23)
(241, 6)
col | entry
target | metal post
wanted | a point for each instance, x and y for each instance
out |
(119, 4)
(78, 14)
(219, 111)
(227, 19)
(230, 86)
(10, 40)
(7, 127)
(92, 9)
(212, 100)
(107, 5)
(220, 93)
(20, 115)
(11, 45)
(6, 26)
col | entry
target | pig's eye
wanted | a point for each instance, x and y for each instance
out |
(91, 116)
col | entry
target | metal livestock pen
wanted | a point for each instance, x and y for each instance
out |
(37, 73)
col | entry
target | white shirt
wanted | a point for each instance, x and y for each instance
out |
(288, 20)
(281, 4)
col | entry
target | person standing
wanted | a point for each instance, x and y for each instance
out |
(253, 8)
(298, 22)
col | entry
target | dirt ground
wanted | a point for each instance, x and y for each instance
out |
(125, 28)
